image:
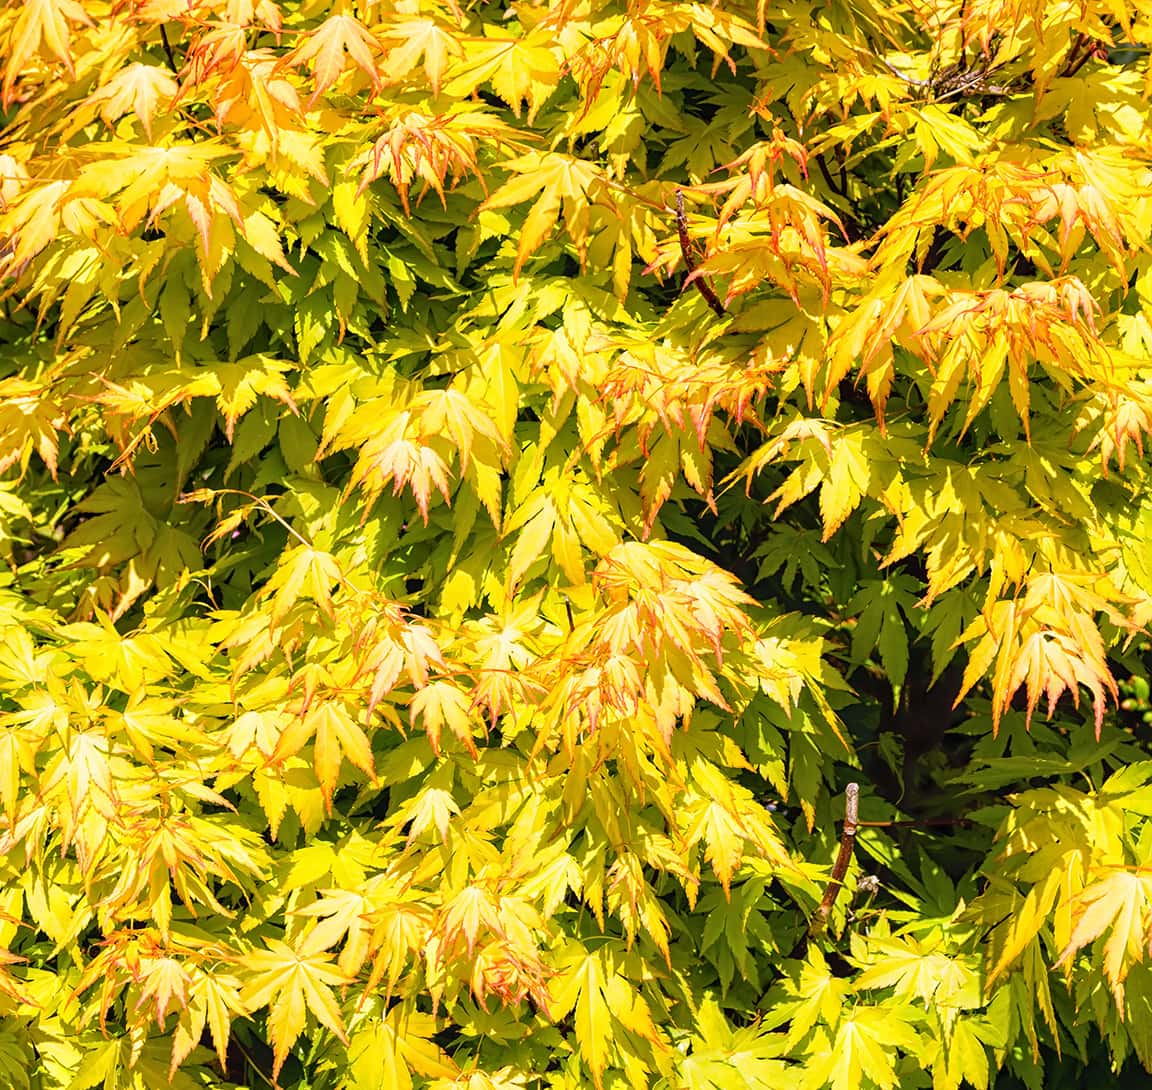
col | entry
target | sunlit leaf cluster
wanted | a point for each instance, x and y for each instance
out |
(479, 481)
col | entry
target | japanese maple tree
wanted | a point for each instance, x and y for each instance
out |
(583, 543)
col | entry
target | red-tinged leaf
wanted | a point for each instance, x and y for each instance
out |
(469, 914)
(11, 987)
(440, 704)
(337, 737)
(394, 456)
(312, 326)
(166, 981)
(328, 48)
(436, 149)
(1119, 902)
(453, 413)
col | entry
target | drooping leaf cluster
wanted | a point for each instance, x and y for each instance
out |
(480, 480)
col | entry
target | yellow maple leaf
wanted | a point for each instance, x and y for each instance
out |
(411, 39)
(1119, 903)
(329, 47)
(139, 88)
(519, 70)
(293, 982)
(556, 181)
(440, 704)
(41, 24)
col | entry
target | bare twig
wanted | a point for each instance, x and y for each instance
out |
(954, 82)
(702, 285)
(840, 190)
(963, 51)
(841, 161)
(840, 867)
(900, 75)
(168, 50)
(1082, 51)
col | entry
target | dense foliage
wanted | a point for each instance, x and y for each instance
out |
(481, 481)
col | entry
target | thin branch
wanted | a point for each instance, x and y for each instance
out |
(900, 75)
(963, 61)
(702, 285)
(956, 82)
(1083, 49)
(1074, 51)
(848, 219)
(207, 495)
(839, 190)
(168, 50)
(840, 867)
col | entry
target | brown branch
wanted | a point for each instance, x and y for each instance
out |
(1083, 60)
(1076, 56)
(954, 82)
(702, 285)
(843, 858)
